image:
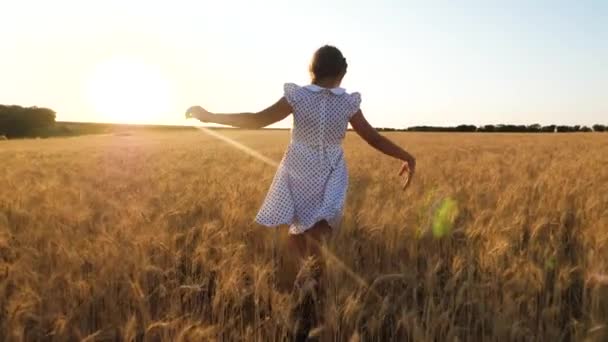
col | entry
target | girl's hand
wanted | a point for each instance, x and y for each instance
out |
(409, 166)
(199, 113)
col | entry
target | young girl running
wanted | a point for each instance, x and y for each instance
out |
(309, 188)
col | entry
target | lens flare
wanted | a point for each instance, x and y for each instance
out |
(444, 217)
(241, 147)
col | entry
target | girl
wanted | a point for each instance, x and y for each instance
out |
(309, 188)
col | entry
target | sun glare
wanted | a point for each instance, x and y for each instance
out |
(125, 90)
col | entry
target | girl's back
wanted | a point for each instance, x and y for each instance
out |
(321, 115)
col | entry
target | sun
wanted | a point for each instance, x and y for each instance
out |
(127, 90)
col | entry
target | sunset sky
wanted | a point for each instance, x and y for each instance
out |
(415, 62)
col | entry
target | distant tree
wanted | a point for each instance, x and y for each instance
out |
(466, 128)
(420, 129)
(576, 128)
(564, 129)
(486, 128)
(430, 129)
(548, 129)
(510, 128)
(534, 128)
(599, 128)
(17, 121)
(586, 129)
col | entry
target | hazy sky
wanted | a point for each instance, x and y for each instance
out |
(415, 62)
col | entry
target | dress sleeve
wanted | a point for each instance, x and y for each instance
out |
(354, 100)
(290, 91)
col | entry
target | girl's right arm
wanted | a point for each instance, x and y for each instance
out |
(277, 112)
(383, 144)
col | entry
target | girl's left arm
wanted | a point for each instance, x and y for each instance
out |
(277, 112)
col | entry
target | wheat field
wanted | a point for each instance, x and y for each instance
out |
(150, 237)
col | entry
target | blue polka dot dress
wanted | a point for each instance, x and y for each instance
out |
(311, 180)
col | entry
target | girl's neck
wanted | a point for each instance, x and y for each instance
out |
(328, 83)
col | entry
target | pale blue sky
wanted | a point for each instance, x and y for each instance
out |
(415, 62)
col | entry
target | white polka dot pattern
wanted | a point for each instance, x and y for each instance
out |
(311, 181)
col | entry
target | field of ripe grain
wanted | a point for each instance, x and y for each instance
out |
(150, 237)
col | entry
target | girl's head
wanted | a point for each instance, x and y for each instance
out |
(328, 64)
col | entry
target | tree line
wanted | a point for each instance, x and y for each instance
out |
(17, 121)
(535, 128)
